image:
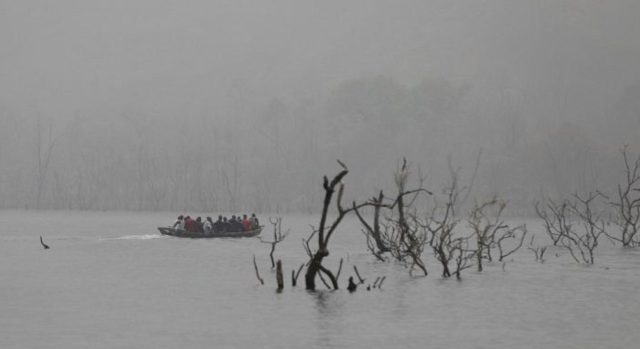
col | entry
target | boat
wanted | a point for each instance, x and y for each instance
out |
(229, 234)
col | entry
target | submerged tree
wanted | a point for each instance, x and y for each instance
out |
(556, 217)
(447, 245)
(627, 203)
(278, 237)
(376, 233)
(400, 233)
(325, 231)
(411, 239)
(441, 224)
(575, 225)
(492, 232)
(582, 240)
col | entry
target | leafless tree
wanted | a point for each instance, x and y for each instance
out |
(556, 219)
(582, 239)
(441, 224)
(278, 237)
(448, 244)
(401, 232)
(485, 225)
(461, 254)
(325, 231)
(538, 252)
(411, 237)
(509, 234)
(627, 203)
(372, 231)
(492, 232)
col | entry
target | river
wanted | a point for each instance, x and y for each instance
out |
(111, 281)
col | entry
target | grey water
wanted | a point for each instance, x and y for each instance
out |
(110, 280)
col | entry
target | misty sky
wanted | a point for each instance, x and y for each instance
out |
(63, 56)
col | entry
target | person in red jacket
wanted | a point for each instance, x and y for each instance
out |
(190, 225)
(245, 223)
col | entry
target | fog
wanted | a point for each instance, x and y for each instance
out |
(244, 105)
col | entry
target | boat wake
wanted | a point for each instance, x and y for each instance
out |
(139, 237)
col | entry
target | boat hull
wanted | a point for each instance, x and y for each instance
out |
(187, 234)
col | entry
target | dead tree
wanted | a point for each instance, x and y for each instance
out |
(538, 252)
(461, 254)
(411, 239)
(556, 220)
(278, 237)
(583, 242)
(447, 244)
(325, 231)
(508, 235)
(372, 231)
(485, 225)
(441, 224)
(401, 233)
(627, 203)
(492, 232)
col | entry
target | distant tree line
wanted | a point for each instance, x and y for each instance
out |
(262, 155)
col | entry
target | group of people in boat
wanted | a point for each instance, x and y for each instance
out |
(222, 225)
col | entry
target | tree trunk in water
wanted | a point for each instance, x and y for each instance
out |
(279, 277)
(310, 275)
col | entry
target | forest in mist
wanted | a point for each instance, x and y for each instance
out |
(243, 106)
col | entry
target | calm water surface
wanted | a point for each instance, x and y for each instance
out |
(111, 281)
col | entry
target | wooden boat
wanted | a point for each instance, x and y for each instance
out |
(187, 234)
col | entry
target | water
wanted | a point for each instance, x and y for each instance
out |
(111, 281)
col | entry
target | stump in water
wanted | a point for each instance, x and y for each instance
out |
(46, 247)
(352, 286)
(255, 266)
(279, 278)
(294, 275)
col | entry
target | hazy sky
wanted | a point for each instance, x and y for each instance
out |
(66, 55)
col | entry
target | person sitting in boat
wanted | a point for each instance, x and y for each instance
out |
(236, 225)
(226, 226)
(199, 226)
(246, 225)
(217, 226)
(232, 223)
(255, 224)
(239, 226)
(190, 225)
(208, 226)
(179, 223)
